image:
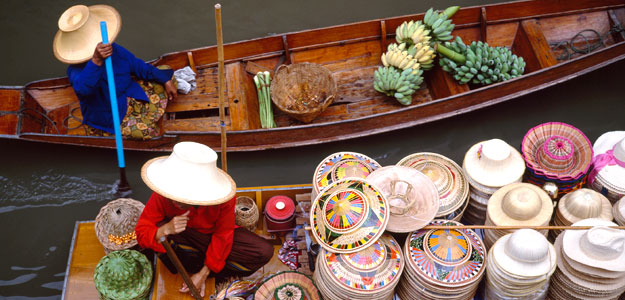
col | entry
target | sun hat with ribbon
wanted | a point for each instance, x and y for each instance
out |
(79, 31)
(494, 163)
(609, 162)
(189, 175)
(601, 246)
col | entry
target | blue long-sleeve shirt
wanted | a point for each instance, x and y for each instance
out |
(91, 86)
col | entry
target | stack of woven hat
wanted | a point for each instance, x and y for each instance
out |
(442, 263)
(591, 263)
(452, 185)
(340, 165)
(578, 205)
(519, 266)
(489, 165)
(557, 153)
(608, 173)
(618, 211)
(517, 204)
(287, 286)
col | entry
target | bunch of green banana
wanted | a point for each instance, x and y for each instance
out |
(401, 85)
(479, 63)
(440, 24)
(412, 33)
(397, 56)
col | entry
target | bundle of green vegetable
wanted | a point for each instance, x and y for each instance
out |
(263, 82)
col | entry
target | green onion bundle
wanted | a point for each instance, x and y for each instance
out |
(263, 82)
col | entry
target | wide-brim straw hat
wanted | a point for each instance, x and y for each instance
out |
(79, 31)
(494, 163)
(189, 175)
(115, 224)
(339, 165)
(449, 178)
(557, 150)
(583, 204)
(287, 285)
(610, 147)
(348, 215)
(412, 197)
(525, 253)
(520, 204)
(600, 247)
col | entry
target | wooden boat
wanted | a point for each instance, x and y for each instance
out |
(46, 110)
(86, 251)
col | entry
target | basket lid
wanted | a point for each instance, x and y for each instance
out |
(115, 223)
(340, 165)
(280, 208)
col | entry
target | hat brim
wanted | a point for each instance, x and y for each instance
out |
(508, 173)
(188, 192)
(499, 217)
(571, 247)
(72, 52)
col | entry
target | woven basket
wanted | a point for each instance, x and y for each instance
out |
(115, 224)
(303, 90)
(246, 213)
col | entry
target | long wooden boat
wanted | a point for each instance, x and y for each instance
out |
(47, 111)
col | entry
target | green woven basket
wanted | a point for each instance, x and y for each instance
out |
(123, 275)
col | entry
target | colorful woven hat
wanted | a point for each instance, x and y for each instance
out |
(412, 197)
(123, 275)
(350, 214)
(288, 285)
(453, 188)
(600, 247)
(609, 165)
(115, 224)
(557, 150)
(583, 204)
(520, 204)
(494, 163)
(340, 165)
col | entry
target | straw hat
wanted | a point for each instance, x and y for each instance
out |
(340, 165)
(609, 161)
(520, 204)
(494, 163)
(79, 31)
(600, 247)
(287, 285)
(583, 204)
(412, 197)
(189, 175)
(115, 224)
(525, 252)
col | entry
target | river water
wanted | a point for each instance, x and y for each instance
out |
(45, 189)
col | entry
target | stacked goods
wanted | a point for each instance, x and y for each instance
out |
(123, 274)
(412, 197)
(489, 165)
(479, 63)
(339, 165)
(618, 210)
(263, 82)
(519, 266)
(608, 163)
(557, 153)
(449, 179)
(370, 273)
(591, 263)
(442, 264)
(516, 204)
(287, 286)
(578, 205)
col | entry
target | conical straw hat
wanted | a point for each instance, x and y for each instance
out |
(340, 165)
(520, 204)
(494, 163)
(79, 31)
(583, 204)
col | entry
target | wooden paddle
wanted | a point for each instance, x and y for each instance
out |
(220, 59)
(123, 188)
(183, 272)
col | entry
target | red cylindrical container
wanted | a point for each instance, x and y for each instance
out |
(280, 213)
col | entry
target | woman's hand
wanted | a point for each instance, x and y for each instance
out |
(176, 225)
(171, 90)
(199, 280)
(102, 51)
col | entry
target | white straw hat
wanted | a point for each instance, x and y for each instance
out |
(494, 163)
(600, 247)
(525, 252)
(189, 175)
(79, 31)
(520, 204)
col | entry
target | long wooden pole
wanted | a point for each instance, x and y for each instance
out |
(183, 272)
(222, 117)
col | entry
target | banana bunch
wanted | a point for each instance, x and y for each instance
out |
(423, 53)
(412, 33)
(479, 63)
(399, 84)
(398, 56)
(440, 24)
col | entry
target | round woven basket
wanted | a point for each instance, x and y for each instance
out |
(115, 224)
(303, 90)
(246, 213)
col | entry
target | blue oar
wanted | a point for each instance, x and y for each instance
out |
(123, 189)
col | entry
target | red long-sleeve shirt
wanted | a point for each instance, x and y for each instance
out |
(217, 220)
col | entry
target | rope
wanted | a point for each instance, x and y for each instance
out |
(71, 116)
(569, 47)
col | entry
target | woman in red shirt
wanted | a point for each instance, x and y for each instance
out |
(193, 206)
